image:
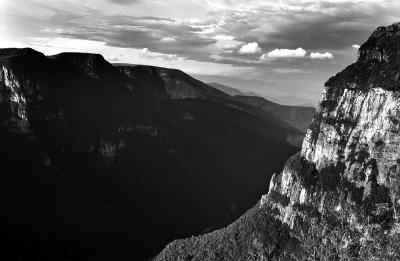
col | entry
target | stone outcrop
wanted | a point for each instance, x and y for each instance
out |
(13, 94)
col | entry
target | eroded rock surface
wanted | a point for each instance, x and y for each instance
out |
(348, 166)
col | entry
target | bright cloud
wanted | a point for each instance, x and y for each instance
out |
(250, 48)
(321, 56)
(226, 42)
(285, 53)
(219, 58)
(168, 39)
(356, 46)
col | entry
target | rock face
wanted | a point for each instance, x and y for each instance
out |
(348, 168)
(340, 196)
(356, 128)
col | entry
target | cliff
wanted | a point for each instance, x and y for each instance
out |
(340, 196)
(354, 136)
(348, 168)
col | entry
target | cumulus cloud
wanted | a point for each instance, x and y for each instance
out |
(227, 43)
(321, 56)
(356, 46)
(250, 48)
(285, 53)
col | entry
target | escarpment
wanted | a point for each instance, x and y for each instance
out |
(348, 168)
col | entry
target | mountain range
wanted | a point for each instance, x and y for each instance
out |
(112, 162)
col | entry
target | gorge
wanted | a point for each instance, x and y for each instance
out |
(337, 199)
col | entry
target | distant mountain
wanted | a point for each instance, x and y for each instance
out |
(103, 162)
(267, 89)
(308, 104)
(231, 91)
(179, 85)
(297, 116)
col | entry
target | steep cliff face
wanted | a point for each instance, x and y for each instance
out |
(348, 168)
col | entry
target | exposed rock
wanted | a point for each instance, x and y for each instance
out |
(348, 166)
(12, 94)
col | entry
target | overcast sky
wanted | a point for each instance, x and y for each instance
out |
(282, 49)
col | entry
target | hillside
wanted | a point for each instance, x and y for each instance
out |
(298, 117)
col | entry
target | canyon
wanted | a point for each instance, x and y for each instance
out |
(106, 161)
(337, 199)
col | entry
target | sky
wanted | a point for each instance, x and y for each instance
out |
(284, 50)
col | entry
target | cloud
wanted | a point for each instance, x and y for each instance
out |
(226, 43)
(168, 57)
(224, 37)
(356, 46)
(250, 48)
(228, 60)
(168, 40)
(285, 53)
(162, 35)
(321, 56)
(123, 2)
(286, 70)
(316, 25)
